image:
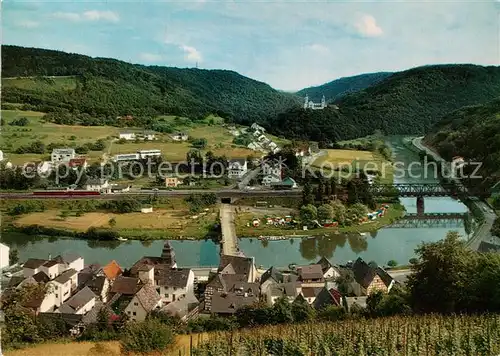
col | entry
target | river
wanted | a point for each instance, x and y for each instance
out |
(384, 245)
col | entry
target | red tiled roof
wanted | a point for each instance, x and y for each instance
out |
(112, 270)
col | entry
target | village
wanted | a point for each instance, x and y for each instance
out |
(76, 292)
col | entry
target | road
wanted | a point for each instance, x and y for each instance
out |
(483, 232)
(229, 239)
(221, 193)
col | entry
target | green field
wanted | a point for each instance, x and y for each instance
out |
(219, 139)
(41, 83)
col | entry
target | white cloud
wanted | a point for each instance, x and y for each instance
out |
(192, 54)
(69, 16)
(28, 24)
(150, 57)
(319, 48)
(95, 15)
(367, 26)
(91, 15)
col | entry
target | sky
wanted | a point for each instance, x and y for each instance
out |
(287, 44)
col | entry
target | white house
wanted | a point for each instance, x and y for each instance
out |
(180, 136)
(1, 156)
(81, 303)
(257, 127)
(32, 267)
(271, 169)
(53, 268)
(176, 284)
(149, 153)
(126, 157)
(62, 155)
(142, 303)
(309, 104)
(270, 179)
(129, 136)
(63, 285)
(73, 261)
(100, 185)
(237, 168)
(4, 256)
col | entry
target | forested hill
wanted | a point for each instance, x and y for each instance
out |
(108, 87)
(408, 102)
(340, 87)
(473, 133)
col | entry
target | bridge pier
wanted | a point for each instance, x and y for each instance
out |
(420, 206)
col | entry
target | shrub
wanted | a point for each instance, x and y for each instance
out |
(148, 336)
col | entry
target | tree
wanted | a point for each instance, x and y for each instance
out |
(145, 337)
(282, 312)
(325, 212)
(495, 229)
(199, 143)
(307, 194)
(301, 311)
(112, 222)
(22, 121)
(358, 210)
(308, 213)
(438, 281)
(13, 256)
(339, 211)
(392, 263)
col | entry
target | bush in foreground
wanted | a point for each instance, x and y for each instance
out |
(147, 336)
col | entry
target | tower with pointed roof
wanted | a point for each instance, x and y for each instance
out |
(168, 254)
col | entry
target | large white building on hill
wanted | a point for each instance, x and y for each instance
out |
(309, 104)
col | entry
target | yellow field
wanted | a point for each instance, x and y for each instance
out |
(338, 158)
(161, 222)
(108, 348)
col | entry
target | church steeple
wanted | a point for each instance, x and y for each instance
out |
(323, 102)
(168, 254)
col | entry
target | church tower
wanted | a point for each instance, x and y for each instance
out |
(306, 102)
(323, 102)
(168, 255)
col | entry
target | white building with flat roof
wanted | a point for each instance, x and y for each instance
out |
(4, 256)
(62, 154)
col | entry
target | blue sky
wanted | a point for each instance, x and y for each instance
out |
(289, 45)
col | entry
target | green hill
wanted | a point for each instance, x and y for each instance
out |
(473, 133)
(108, 87)
(343, 86)
(408, 102)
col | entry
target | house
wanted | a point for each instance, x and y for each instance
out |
(32, 266)
(180, 136)
(356, 302)
(227, 303)
(172, 182)
(126, 157)
(120, 188)
(63, 285)
(73, 261)
(53, 267)
(40, 302)
(254, 146)
(81, 303)
(239, 265)
(271, 168)
(287, 183)
(329, 270)
(78, 163)
(310, 293)
(175, 284)
(237, 168)
(62, 155)
(257, 127)
(143, 154)
(289, 290)
(143, 302)
(129, 136)
(100, 286)
(126, 286)
(270, 179)
(311, 275)
(371, 279)
(327, 297)
(183, 308)
(271, 276)
(98, 184)
(4, 256)
(112, 270)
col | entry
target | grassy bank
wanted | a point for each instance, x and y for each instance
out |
(171, 218)
(243, 218)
